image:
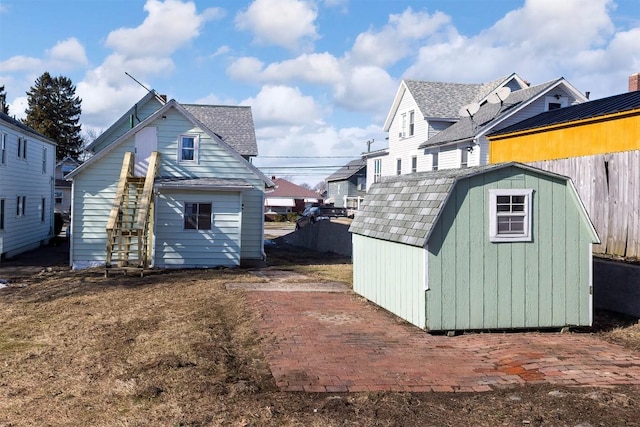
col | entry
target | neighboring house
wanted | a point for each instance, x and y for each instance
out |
(288, 197)
(418, 112)
(27, 160)
(428, 132)
(597, 144)
(195, 198)
(489, 247)
(347, 186)
(62, 193)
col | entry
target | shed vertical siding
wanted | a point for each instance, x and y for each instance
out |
(478, 284)
(391, 275)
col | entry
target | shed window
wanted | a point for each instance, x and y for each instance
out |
(188, 148)
(510, 215)
(197, 216)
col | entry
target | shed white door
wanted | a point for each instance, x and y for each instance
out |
(146, 143)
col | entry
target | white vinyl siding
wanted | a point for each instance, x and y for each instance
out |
(24, 228)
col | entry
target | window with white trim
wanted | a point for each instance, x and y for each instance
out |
(58, 196)
(412, 116)
(197, 216)
(3, 149)
(22, 148)
(414, 164)
(555, 101)
(377, 170)
(464, 157)
(188, 148)
(21, 202)
(44, 159)
(434, 160)
(398, 166)
(510, 215)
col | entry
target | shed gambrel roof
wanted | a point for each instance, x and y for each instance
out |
(233, 124)
(587, 110)
(405, 208)
(490, 115)
(348, 170)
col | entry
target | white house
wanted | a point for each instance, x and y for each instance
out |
(427, 131)
(206, 199)
(27, 161)
(62, 193)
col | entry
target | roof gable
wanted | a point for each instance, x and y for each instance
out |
(284, 188)
(175, 105)
(490, 115)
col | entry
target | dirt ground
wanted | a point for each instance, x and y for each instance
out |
(177, 348)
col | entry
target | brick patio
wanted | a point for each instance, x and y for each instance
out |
(320, 341)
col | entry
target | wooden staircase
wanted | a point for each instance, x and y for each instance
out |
(128, 237)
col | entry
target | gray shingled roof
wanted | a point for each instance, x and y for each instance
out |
(17, 123)
(348, 170)
(443, 100)
(233, 124)
(489, 114)
(405, 208)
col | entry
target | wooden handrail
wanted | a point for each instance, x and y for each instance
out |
(126, 171)
(147, 191)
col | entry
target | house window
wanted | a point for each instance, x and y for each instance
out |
(403, 132)
(197, 216)
(188, 148)
(66, 169)
(414, 164)
(377, 170)
(44, 159)
(361, 183)
(464, 157)
(3, 149)
(556, 101)
(42, 209)
(510, 215)
(22, 148)
(411, 122)
(58, 195)
(2, 204)
(434, 160)
(21, 202)
(398, 166)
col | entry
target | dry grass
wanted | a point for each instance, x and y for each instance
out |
(178, 349)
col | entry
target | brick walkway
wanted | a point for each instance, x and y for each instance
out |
(333, 342)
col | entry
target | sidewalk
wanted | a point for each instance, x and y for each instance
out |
(338, 342)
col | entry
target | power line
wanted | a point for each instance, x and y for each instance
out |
(305, 157)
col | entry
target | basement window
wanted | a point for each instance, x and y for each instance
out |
(197, 216)
(510, 215)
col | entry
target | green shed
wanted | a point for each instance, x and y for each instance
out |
(493, 247)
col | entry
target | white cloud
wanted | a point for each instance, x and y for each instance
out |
(283, 105)
(286, 23)
(245, 69)
(68, 54)
(169, 25)
(315, 68)
(222, 50)
(356, 92)
(20, 63)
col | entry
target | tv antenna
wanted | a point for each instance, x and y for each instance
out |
(158, 97)
(369, 142)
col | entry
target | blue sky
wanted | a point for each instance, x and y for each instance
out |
(320, 75)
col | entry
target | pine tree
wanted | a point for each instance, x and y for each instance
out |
(54, 111)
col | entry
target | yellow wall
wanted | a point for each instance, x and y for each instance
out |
(619, 132)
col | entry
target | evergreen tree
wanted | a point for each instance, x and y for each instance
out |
(54, 111)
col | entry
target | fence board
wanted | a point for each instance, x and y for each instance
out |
(609, 186)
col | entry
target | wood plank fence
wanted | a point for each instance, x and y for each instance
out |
(609, 186)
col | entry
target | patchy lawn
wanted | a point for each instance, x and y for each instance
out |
(176, 348)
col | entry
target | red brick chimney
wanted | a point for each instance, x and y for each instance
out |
(634, 82)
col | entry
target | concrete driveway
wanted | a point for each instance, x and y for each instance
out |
(328, 339)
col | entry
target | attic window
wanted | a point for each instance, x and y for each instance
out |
(510, 215)
(188, 148)
(555, 101)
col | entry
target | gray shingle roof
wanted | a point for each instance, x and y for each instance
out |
(443, 100)
(17, 123)
(586, 110)
(489, 114)
(233, 124)
(348, 170)
(405, 208)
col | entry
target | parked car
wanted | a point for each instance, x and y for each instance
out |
(314, 213)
